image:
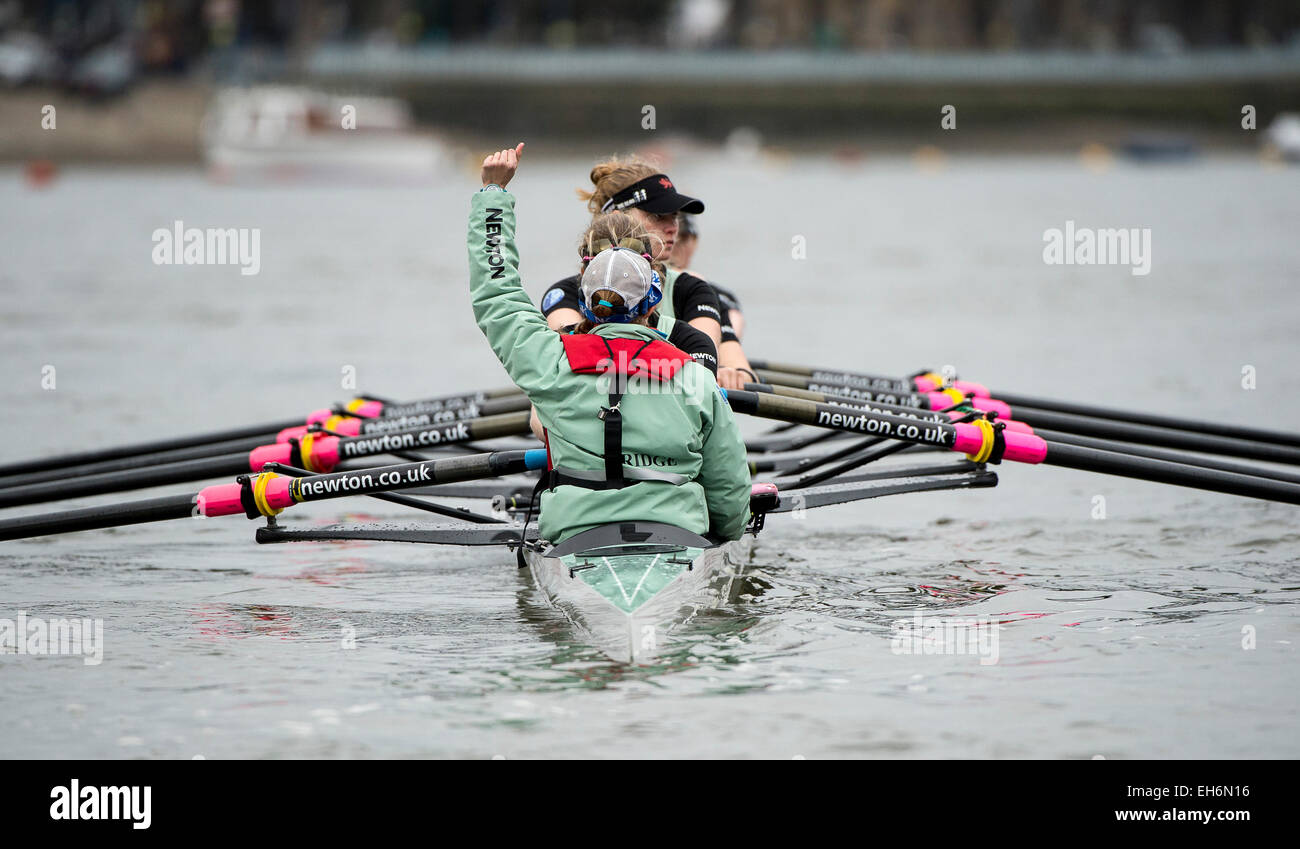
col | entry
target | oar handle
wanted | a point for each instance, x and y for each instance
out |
(349, 425)
(970, 439)
(269, 493)
(923, 381)
(937, 399)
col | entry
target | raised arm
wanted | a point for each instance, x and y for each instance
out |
(515, 330)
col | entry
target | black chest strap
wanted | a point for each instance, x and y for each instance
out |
(612, 416)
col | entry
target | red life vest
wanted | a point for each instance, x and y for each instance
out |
(589, 353)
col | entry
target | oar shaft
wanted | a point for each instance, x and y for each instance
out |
(1164, 437)
(1172, 456)
(92, 518)
(266, 432)
(227, 465)
(1163, 471)
(1017, 447)
(881, 385)
(270, 493)
(159, 458)
(876, 382)
(783, 408)
(445, 402)
(488, 427)
(1214, 428)
(919, 382)
(262, 432)
(930, 400)
(412, 475)
(846, 401)
(362, 427)
(394, 498)
(900, 398)
(870, 454)
(323, 455)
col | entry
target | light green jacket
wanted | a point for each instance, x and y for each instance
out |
(682, 427)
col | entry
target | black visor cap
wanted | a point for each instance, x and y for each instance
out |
(656, 195)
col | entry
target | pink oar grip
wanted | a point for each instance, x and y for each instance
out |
(929, 384)
(277, 492)
(1012, 424)
(347, 427)
(292, 433)
(937, 400)
(223, 499)
(364, 410)
(280, 452)
(1020, 447)
(991, 405)
(967, 388)
(1025, 448)
(940, 401)
(969, 439)
(219, 500)
(325, 453)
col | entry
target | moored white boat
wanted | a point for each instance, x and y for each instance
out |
(283, 133)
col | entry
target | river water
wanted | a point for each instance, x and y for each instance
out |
(1137, 620)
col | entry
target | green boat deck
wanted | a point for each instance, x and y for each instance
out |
(628, 581)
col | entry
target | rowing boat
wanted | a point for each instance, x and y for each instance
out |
(629, 587)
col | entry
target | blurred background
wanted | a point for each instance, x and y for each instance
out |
(918, 151)
(141, 75)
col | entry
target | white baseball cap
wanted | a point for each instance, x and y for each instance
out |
(626, 272)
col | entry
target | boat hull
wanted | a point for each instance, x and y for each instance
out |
(632, 590)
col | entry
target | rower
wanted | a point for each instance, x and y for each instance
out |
(688, 239)
(635, 429)
(615, 228)
(649, 196)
